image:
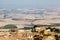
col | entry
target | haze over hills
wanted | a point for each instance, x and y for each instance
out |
(20, 17)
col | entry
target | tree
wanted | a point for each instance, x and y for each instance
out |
(33, 29)
(35, 26)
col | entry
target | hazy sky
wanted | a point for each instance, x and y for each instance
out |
(30, 3)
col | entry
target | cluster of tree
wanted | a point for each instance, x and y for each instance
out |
(57, 37)
(37, 37)
(54, 29)
(33, 29)
(28, 28)
(9, 26)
